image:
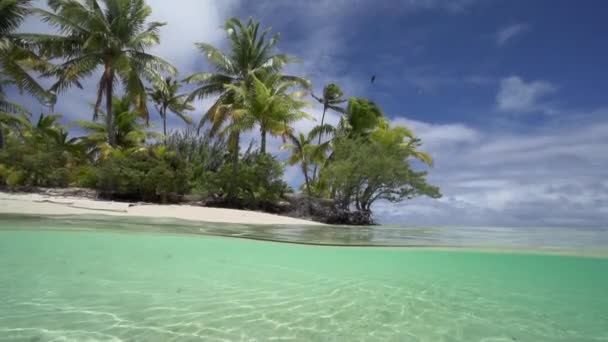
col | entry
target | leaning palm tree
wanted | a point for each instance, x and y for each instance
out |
(250, 54)
(331, 99)
(271, 104)
(165, 97)
(16, 59)
(114, 36)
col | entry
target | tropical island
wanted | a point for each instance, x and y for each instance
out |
(346, 167)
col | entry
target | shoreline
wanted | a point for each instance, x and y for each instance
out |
(40, 204)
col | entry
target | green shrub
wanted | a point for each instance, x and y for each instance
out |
(4, 172)
(148, 174)
(15, 178)
(34, 166)
(84, 176)
(258, 180)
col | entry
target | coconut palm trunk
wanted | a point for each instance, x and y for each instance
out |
(163, 114)
(263, 140)
(235, 167)
(314, 171)
(109, 112)
(306, 177)
(112, 34)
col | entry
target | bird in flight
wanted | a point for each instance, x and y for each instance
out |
(373, 78)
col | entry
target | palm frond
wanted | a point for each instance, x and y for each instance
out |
(217, 58)
(21, 78)
(12, 13)
(321, 130)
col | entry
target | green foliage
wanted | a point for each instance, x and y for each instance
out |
(129, 130)
(17, 60)
(271, 103)
(362, 115)
(259, 180)
(84, 176)
(364, 170)
(31, 165)
(12, 13)
(332, 98)
(115, 36)
(306, 154)
(251, 53)
(201, 153)
(164, 95)
(147, 174)
(40, 153)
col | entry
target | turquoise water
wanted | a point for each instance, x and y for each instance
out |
(67, 279)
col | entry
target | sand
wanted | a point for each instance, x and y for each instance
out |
(37, 204)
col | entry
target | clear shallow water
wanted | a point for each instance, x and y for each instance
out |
(59, 281)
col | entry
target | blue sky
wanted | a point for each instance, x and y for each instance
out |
(509, 96)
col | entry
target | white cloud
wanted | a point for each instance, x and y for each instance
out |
(188, 22)
(515, 95)
(435, 136)
(508, 33)
(554, 175)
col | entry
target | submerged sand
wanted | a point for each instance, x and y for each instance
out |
(38, 204)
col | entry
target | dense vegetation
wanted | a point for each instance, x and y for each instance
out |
(355, 163)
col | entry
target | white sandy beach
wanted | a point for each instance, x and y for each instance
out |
(38, 204)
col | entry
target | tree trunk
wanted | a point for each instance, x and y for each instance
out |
(164, 115)
(306, 178)
(263, 140)
(322, 121)
(109, 113)
(1, 137)
(235, 169)
(314, 172)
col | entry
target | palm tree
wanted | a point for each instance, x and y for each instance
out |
(48, 132)
(16, 60)
(165, 97)
(11, 115)
(114, 36)
(400, 136)
(304, 152)
(128, 129)
(360, 118)
(250, 54)
(331, 99)
(271, 105)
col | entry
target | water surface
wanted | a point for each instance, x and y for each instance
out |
(94, 279)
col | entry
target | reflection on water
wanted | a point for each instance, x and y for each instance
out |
(589, 239)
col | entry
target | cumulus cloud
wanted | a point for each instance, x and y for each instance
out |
(552, 176)
(508, 33)
(190, 21)
(517, 95)
(436, 136)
